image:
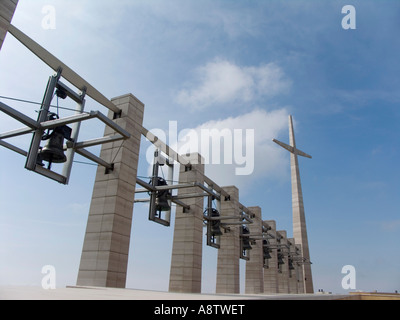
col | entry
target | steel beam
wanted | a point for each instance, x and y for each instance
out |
(13, 148)
(18, 116)
(68, 73)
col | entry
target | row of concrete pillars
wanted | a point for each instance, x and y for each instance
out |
(281, 273)
(106, 246)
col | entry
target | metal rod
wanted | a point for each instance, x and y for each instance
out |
(235, 223)
(16, 133)
(67, 168)
(224, 218)
(43, 113)
(164, 147)
(180, 203)
(95, 142)
(94, 158)
(112, 124)
(82, 117)
(149, 187)
(142, 200)
(13, 148)
(154, 178)
(208, 190)
(18, 116)
(55, 64)
(189, 196)
(74, 96)
(50, 174)
(215, 186)
(141, 191)
(68, 120)
(176, 186)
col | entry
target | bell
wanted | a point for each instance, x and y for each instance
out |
(291, 266)
(280, 259)
(162, 203)
(215, 224)
(246, 241)
(53, 151)
(266, 250)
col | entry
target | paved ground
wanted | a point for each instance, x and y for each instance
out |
(86, 293)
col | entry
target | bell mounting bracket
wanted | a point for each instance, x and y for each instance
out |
(38, 128)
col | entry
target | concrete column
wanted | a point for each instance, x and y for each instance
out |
(228, 267)
(254, 266)
(7, 9)
(186, 262)
(283, 271)
(271, 265)
(300, 274)
(105, 251)
(292, 273)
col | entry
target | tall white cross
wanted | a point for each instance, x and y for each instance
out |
(299, 220)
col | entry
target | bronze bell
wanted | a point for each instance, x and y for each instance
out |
(215, 224)
(53, 151)
(291, 266)
(280, 259)
(266, 250)
(246, 240)
(162, 197)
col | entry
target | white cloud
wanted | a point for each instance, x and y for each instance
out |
(221, 81)
(268, 160)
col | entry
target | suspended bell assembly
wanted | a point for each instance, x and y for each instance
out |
(162, 197)
(246, 239)
(53, 151)
(291, 265)
(266, 250)
(215, 224)
(280, 258)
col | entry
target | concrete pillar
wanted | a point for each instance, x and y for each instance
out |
(292, 272)
(105, 251)
(300, 274)
(7, 9)
(254, 266)
(186, 262)
(283, 271)
(228, 267)
(271, 265)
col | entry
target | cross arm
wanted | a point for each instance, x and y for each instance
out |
(292, 149)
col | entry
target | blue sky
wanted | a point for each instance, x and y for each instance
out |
(231, 64)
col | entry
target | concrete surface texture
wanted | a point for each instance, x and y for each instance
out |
(255, 266)
(271, 268)
(228, 269)
(105, 250)
(186, 261)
